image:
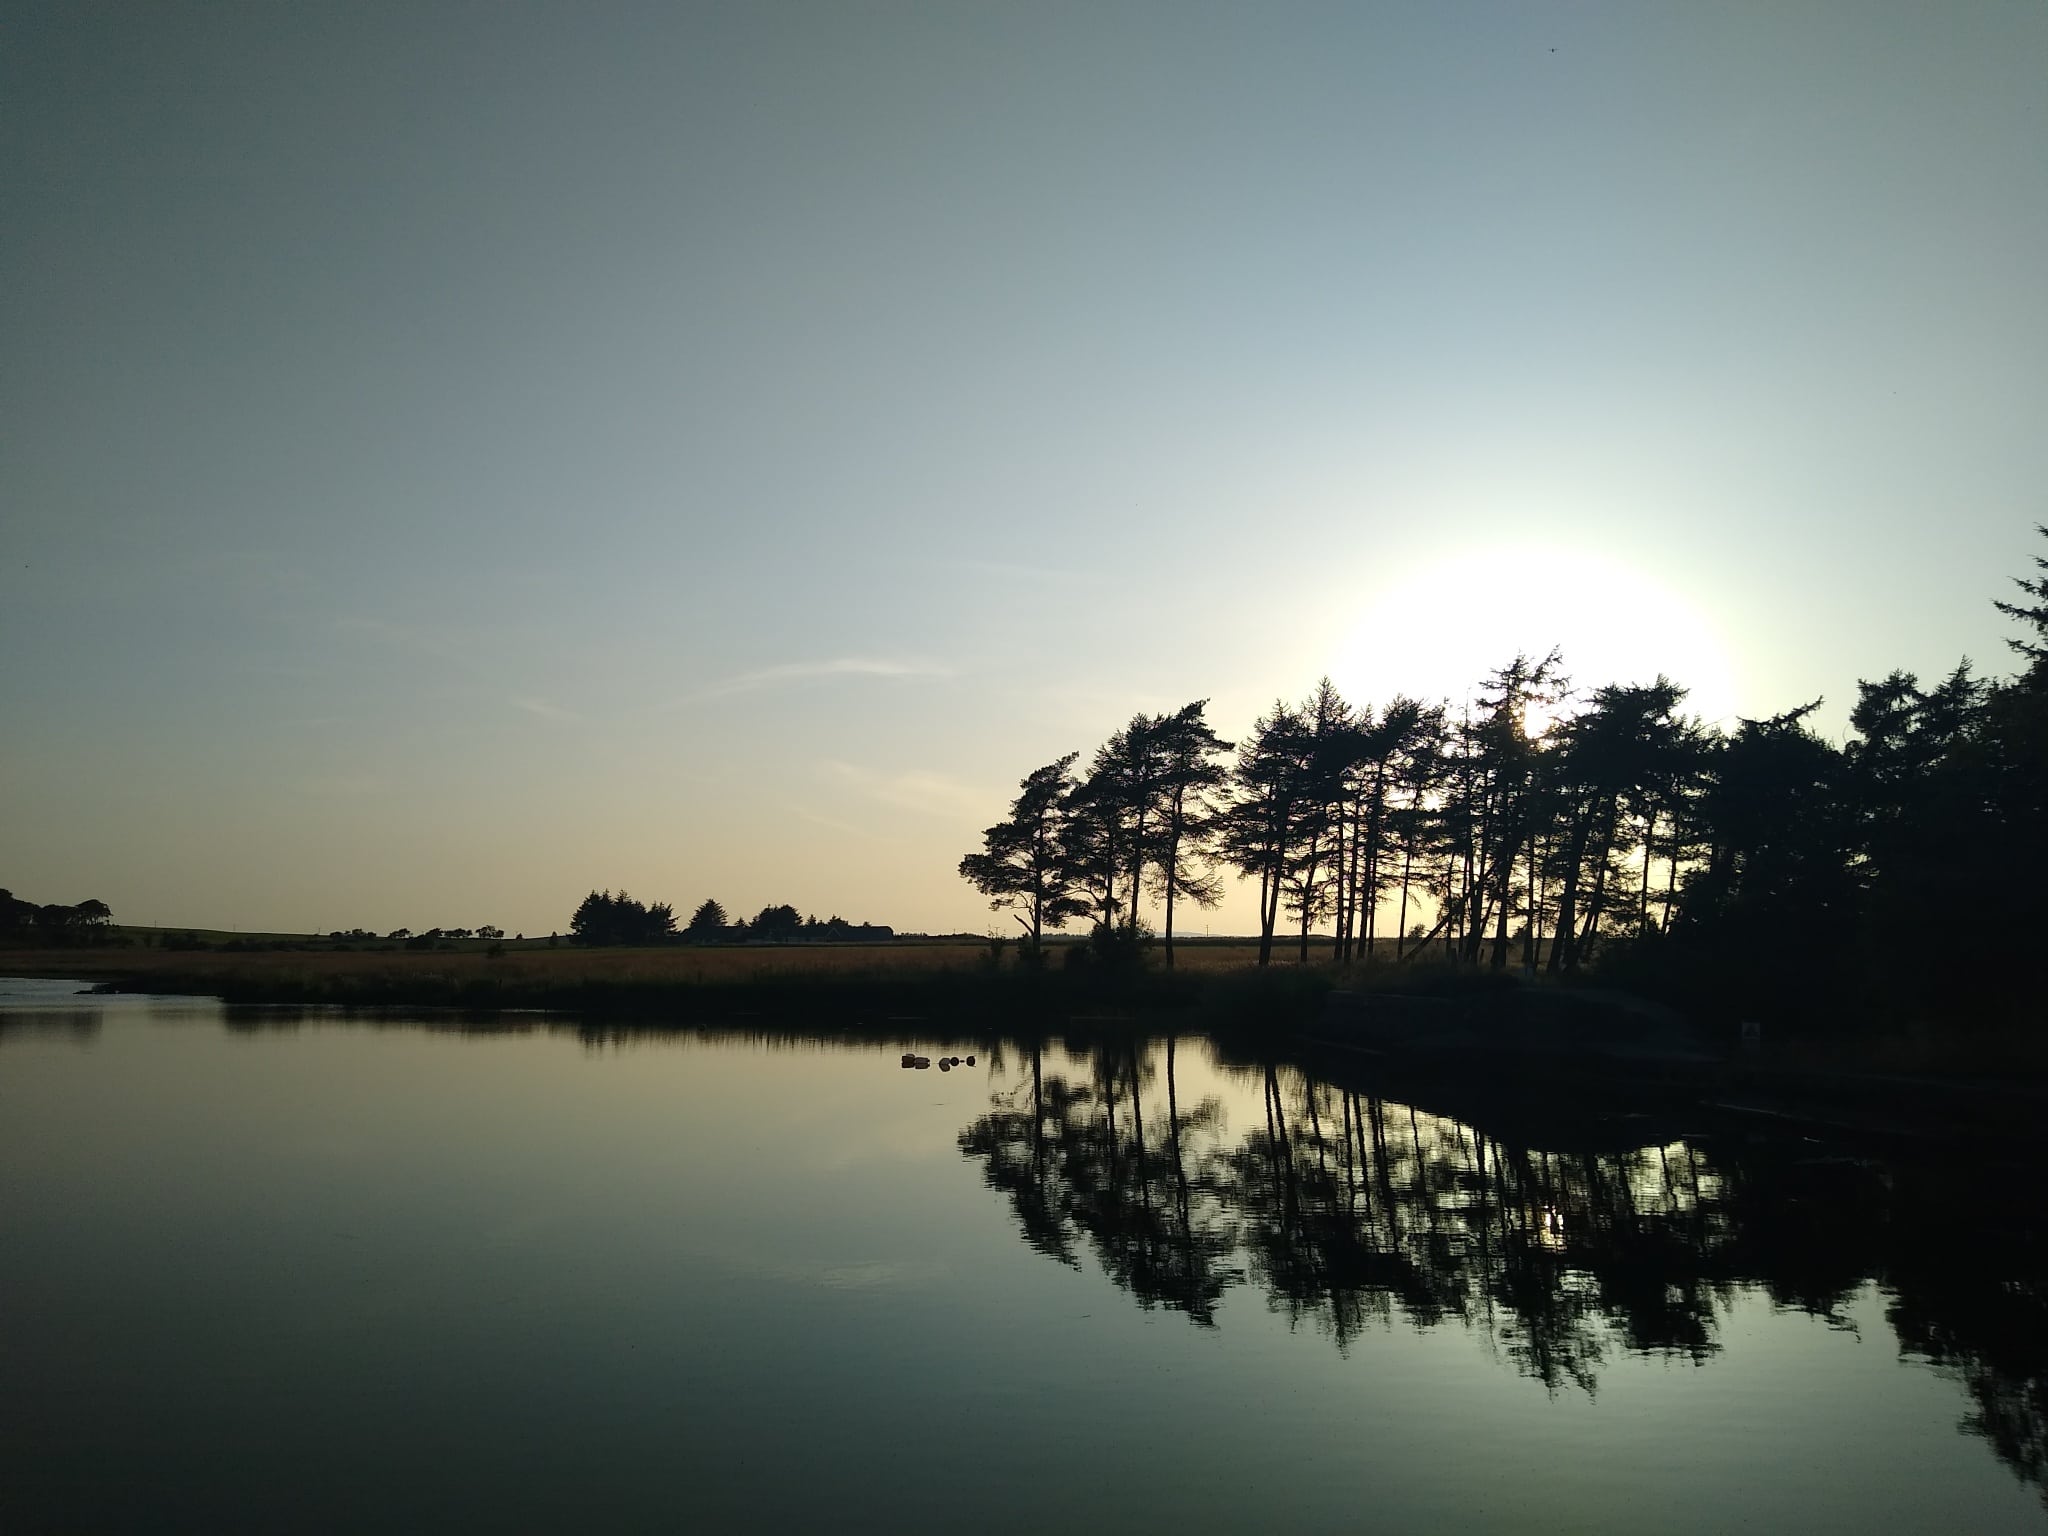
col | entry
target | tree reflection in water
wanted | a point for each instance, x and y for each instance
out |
(1075, 1162)
(1350, 1212)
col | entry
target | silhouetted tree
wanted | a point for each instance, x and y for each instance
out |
(1026, 861)
(1313, 853)
(1119, 802)
(15, 914)
(1258, 826)
(1379, 756)
(1505, 791)
(1773, 845)
(1092, 846)
(777, 923)
(1413, 824)
(707, 922)
(1776, 881)
(1614, 757)
(2034, 614)
(1189, 777)
(605, 919)
(54, 922)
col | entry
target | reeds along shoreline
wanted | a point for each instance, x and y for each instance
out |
(821, 986)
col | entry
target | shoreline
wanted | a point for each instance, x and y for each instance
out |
(1305, 1017)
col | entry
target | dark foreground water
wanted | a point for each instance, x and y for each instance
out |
(260, 1273)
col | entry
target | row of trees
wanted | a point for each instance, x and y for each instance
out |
(359, 935)
(1540, 820)
(52, 922)
(1344, 815)
(604, 918)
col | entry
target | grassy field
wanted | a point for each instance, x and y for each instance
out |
(537, 964)
(683, 983)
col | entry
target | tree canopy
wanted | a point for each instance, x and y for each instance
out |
(1547, 825)
(603, 918)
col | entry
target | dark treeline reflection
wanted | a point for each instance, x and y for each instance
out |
(1075, 1160)
(1351, 1212)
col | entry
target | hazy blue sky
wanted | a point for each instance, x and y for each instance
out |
(455, 456)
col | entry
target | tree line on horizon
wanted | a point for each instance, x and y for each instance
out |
(53, 922)
(604, 918)
(1764, 849)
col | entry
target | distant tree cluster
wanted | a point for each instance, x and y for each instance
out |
(603, 918)
(607, 919)
(785, 925)
(425, 936)
(53, 922)
(1541, 821)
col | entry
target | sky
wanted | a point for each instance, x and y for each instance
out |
(459, 456)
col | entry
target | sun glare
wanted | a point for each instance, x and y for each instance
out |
(1438, 630)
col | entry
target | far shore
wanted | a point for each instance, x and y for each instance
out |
(822, 984)
(1216, 986)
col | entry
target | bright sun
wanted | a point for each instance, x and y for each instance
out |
(1537, 721)
(1436, 630)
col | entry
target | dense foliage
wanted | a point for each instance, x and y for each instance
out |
(604, 918)
(27, 922)
(1554, 827)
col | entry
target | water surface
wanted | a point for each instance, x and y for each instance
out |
(262, 1271)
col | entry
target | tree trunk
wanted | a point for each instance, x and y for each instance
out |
(1340, 932)
(1173, 851)
(1268, 910)
(1308, 885)
(1504, 883)
(1369, 890)
(1582, 944)
(1401, 922)
(1137, 866)
(1563, 940)
(1174, 829)
(1535, 905)
(1649, 841)
(1671, 879)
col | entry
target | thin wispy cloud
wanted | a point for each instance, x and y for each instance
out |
(916, 789)
(544, 710)
(834, 825)
(811, 671)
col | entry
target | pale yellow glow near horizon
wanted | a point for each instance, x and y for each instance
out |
(1435, 631)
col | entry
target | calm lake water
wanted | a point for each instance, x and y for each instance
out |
(262, 1271)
